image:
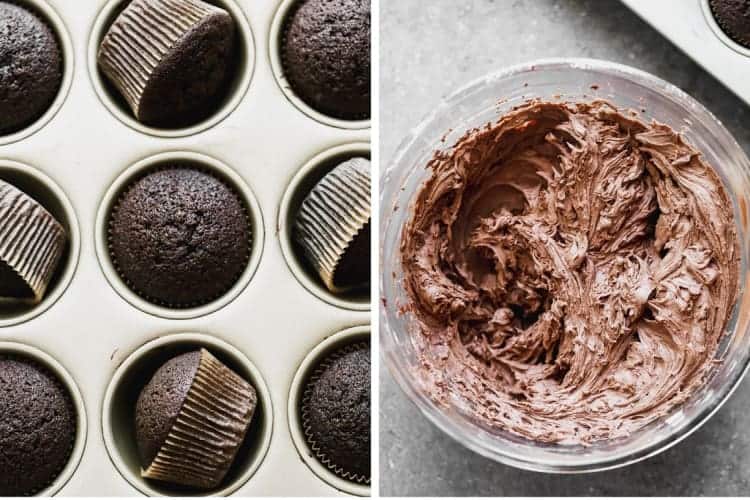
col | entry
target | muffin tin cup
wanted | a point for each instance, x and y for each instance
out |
(46, 192)
(51, 17)
(719, 32)
(47, 361)
(98, 322)
(274, 44)
(332, 217)
(308, 365)
(305, 178)
(118, 412)
(217, 168)
(241, 79)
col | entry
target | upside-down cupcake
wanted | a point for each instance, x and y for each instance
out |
(190, 420)
(169, 59)
(335, 412)
(179, 236)
(333, 226)
(32, 243)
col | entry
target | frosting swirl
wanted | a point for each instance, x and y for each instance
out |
(570, 270)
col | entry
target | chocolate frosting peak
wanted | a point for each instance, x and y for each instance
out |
(570, 270)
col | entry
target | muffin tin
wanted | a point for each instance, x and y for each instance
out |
(23, 351)
(309, 364)
(690, 25)
(101, 338)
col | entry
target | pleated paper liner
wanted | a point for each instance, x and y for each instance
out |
(338, 469)
(115, 207)
(208, 431)
(330, 219)
(142, 36)
(31, 245)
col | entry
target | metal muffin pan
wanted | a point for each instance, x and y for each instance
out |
(53, 19)
(346, 337)
(73, 160)
(691, 26)
(25, 351)
(277, 33)
(122, 394)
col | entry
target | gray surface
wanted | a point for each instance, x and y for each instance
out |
(429, 48)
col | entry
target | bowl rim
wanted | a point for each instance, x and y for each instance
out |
(560, 464)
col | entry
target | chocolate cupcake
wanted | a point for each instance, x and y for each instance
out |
(335, 412)
(333, 226)
(38, 423)
(325, 54)
(31, 245)
(733, 16)
(169, 59)
(179, 237)
(31, 67)
(191, 419)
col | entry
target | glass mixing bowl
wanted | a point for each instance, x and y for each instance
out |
(485, 100)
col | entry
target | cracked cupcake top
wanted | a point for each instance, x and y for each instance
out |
(179, 236)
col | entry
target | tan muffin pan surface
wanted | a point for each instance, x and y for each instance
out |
(102, 339)
(690, 25)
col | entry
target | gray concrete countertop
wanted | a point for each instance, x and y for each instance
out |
(428, 48)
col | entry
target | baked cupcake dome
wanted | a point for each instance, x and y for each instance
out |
(191, 419)
(325, 54)
(733, 16)
(335, 412)
(32, 67)
(170, 60)
(38, 423)
(179, 237)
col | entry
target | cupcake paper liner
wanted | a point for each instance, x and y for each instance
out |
(332, 214)
(337, 469)
(141, 37)
(147, 297)
(31, 241)
(68, 402)
(208, 431)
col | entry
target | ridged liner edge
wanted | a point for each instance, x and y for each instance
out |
(152, 170)
(304, 414)
(209, 429)
(332, 215)
(31, 240)
(143, 34)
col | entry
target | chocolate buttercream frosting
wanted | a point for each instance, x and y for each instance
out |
(570, 271)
